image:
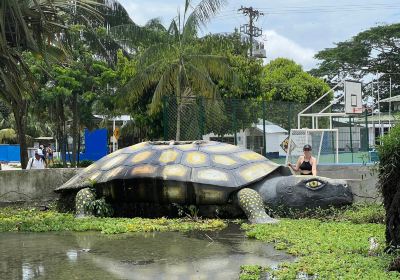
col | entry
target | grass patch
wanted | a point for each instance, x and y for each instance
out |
(33, 220)
(334, 247)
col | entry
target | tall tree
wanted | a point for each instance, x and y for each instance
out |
(35, 26)
(375, 51)
(173, 66)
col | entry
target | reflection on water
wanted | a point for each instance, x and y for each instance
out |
(168, 255)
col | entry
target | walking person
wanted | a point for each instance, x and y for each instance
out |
(37, 161)
(43, 149)
(49, 155)
(306, 164)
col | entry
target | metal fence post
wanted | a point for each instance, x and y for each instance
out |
(264, 134)
(234, 122)
(290, 116)
(351, 140)
(165, 117)
(366, 130)
(201, 117)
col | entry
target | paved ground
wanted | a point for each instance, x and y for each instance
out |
(5, 166)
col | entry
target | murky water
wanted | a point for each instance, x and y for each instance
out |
(162, 255)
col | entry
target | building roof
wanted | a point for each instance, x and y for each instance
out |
(391, 99)
(271, 128)
(44, 138)
(123, 118)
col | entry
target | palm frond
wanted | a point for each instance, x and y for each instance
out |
(217, 66)
(205, 10)
(200, 81)
(142, 81)
(132, 35)
(173, 29)
(157, 52)
(165, 85)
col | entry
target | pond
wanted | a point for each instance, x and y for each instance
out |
(158, 255)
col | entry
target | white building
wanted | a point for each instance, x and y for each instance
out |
(252, 138)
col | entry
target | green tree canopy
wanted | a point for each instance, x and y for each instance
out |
(376, 50)
(284, 80)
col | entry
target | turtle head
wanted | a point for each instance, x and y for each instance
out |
(312, 191)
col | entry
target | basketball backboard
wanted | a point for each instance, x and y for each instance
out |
(353, 97)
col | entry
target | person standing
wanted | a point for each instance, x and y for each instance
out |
(44, 151)
(306, 164)
(49, 155)
(37, 161)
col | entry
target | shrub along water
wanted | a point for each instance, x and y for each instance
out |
(12, 219)
(389, 183)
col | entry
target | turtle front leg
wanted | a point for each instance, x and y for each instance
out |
(82, 200)
(253, 206)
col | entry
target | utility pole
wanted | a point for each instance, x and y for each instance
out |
(250, 29)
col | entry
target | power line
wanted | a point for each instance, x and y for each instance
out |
(330, 6)
(327, 9)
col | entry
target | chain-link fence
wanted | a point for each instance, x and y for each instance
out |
(251, 123)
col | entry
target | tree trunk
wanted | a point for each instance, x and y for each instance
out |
(74, 127)
(79, 148)
(20, 111)
(61, 130)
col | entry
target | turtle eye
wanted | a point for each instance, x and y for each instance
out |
(314, 184)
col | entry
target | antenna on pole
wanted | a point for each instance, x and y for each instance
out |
(250, 29)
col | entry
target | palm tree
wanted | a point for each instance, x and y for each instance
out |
(174, 66)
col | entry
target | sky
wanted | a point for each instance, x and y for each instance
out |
(295, 29)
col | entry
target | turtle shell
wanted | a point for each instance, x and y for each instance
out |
(200, 162)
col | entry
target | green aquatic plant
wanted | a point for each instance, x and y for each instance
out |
(34, 220)
(328, 249)
(252, 272)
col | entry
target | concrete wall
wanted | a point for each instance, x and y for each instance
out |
(32, 186)
(36, 186)
(361, 179)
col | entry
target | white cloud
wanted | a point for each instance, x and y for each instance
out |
(142, 11)
(279, 46)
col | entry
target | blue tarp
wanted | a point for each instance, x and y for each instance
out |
(9, 153)
(95, 145)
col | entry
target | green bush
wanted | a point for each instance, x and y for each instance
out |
(57, 163)
(85, 163)
(389, 182)
(356, 213)
(389, 162)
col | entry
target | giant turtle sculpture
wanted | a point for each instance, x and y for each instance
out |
(201, 173)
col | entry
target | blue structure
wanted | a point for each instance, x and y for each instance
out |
(95, 147)
(9, 153)
(95, 144)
